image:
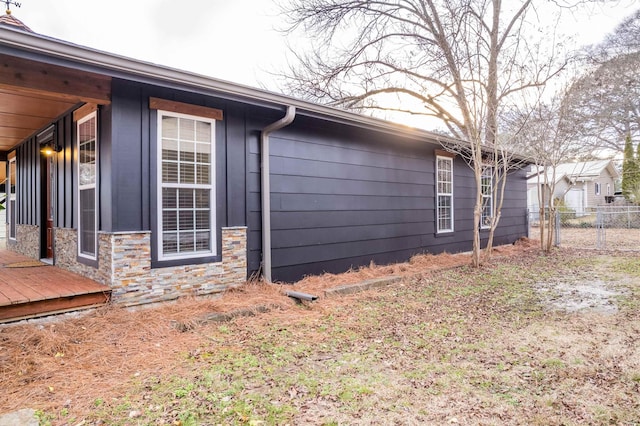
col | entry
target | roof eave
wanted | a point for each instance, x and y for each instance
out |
(61, 49)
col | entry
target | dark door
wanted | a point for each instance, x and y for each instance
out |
(46, 141)
(49, 205)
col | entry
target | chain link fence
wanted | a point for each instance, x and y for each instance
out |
(602, 227)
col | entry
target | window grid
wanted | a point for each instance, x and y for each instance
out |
(444, 184)
(186, 182)
(486, 185)
(12, 204)
(87, 177)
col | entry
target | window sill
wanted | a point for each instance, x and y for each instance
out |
(87, 261)
(168, 263)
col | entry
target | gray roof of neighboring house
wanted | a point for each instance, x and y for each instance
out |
(578, 171)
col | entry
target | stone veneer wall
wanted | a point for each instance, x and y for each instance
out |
(66, 255)
(27, 241)
(124, 264)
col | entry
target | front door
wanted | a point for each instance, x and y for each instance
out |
(46, 139)
(49, 206)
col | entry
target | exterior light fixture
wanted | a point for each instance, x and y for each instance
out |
(50, 148)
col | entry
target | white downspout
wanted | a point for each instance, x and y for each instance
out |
(266, 188)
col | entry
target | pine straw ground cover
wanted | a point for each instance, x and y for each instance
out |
(443, 346)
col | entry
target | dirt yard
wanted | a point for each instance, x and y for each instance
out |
(527, 339)
(587, 238)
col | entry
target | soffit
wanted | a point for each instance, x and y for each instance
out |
(33, 94)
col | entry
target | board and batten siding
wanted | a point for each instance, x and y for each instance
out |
(30, 179)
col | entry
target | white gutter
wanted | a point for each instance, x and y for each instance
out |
(266, 188)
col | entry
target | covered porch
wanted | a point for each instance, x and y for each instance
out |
(35, 94)
(30, 288)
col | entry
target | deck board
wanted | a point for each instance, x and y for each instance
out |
(41, 290)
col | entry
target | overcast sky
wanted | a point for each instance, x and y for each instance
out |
(231, 40)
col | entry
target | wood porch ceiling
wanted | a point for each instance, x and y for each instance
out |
(33, 94)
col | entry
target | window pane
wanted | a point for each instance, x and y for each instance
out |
(187, 129)
(185, 198)
(87, 158)
(170, 242)
(86, 130)
(202, 198)
(169, 150)
(186, 242)
(202, 174)
(187, 173)
(203, 153)
(486, 186)
(203, 132)
(87, 221)
(13, 216)
(187, 151)
(202, 219)
(169, 198)
(169, 172)
(203, 240)
(12, 199)
(444, 212)
(186, 220)
(169, 220)
(486, 211)
(170, 127)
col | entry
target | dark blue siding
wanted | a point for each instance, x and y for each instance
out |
(342, 198)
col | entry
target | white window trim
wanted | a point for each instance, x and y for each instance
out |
(211, 186)
(10, 213)
(488, 170)
(439, 194)
(597, 188)
(94, 185)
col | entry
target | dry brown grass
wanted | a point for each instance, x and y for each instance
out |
(56, 362)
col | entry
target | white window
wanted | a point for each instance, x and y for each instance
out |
(608, 189)
(444, 184)
(597, 188)
(186, 196)
(486, 186)
(12, 208)
(87, 179)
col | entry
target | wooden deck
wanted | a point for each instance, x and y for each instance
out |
(29, 288)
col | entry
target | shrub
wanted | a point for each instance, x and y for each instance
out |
(566, 214)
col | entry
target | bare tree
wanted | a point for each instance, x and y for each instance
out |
(605, 101)
(548, 135)
(458, 61)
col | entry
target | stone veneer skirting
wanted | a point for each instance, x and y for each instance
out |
(124, 264)
(27, 241)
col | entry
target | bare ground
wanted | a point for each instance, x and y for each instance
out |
(528, 339)
(587, 238)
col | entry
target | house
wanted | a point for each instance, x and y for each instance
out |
(159, 182)
(581, 185)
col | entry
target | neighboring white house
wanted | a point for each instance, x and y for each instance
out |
(581, 185)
